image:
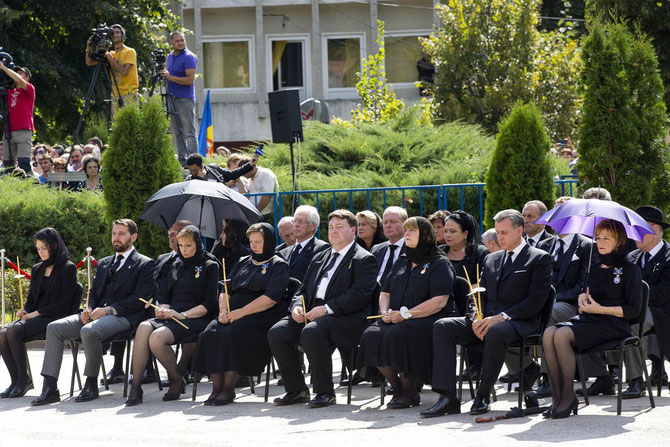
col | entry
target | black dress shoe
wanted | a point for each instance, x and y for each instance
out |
(322, 400)
(474, 373)
(543, 390)
(397, 404)
(167, 397)
(90, 392)
(220, 402)
(134, 397)
(6, 393)
(614, 373)
(21, 390)
(653, 378)
(547, 413)
(292, 397)
(530, 375)
(114, 375)
(635, 389)
(149, 376)
(602, 385)
(480, 405)
(509, 378)
(49, 396)
(444, 405)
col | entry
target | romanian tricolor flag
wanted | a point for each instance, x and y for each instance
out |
(206, 134)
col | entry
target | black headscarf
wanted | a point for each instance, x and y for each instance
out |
(269, 243)
(199, 256)
(426, 248)
(58, 252)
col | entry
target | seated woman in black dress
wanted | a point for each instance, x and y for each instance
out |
(613, 296)
(50, 297)
(189, 295)
(232, 245)
(422, 280)
(236, 343)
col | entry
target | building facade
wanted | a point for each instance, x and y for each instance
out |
(247, 48)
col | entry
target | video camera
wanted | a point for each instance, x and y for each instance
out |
(158, 57)
(101, 41)
(5, 81)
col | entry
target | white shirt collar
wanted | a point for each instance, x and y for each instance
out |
(345, 250)
(399, 243)
(654, 251)
(518, 249)
(303, 243)
(567, 239)
(126, 253)
(536, 238)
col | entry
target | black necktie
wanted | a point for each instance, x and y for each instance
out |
(330, 265)
(389, 262)
(115, 265)
(560, 250)
(508, 264)
(647, 258)
(531, 242)
(294, 254)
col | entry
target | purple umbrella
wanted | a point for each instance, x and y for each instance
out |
(582, 216)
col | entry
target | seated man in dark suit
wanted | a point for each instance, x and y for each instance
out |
(337, 289)
(388, 251)
(517, 281)
(653, 257)
(114, 308)
(285, 230)
(535, 233)
(307, 245)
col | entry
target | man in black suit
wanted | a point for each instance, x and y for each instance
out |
(114, 308)
(653, 257)
(517, 281)
(535, 233)
(337, 289)
(307, 245)
(388, 251)
(285, 230)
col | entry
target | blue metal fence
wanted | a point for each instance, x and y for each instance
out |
(429, 198)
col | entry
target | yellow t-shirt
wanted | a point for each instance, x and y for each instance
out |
(128, 83)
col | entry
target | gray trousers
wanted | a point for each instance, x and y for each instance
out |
(185, 107)
(92, 335)
(18, 152)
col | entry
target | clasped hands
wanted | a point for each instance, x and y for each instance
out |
(480, 328)
(226, 317)
(298, 314)
(23, 315)
(89, 314)
(165, 313)
(587, 304)
(392, 316)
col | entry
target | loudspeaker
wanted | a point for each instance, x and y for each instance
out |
(285, 118)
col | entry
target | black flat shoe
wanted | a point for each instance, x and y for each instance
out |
(565, 413)
(221, 402)
(480, 405)
(134, 397)
(444, 405)
(169, 397)
(20, 391)
(114, 376)
(322, 400)
(89, 393)
(292, 397)
(6, 393)
(210, 399)
(49, 396)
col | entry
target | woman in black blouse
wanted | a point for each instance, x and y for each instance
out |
(233, 243)
(612, 298)
(462, 248)
(189, 295)
(422, 280)
(50, 297)
(236, 343)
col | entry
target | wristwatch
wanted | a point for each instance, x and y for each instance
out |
(505, 316)
(184, 314)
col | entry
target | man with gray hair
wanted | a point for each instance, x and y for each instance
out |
(597, 193)
(285, 230)
(300, 254)
(388, 252)
(535, 233)
(517, 280)
(490, 239)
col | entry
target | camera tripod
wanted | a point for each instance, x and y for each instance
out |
(168, 103)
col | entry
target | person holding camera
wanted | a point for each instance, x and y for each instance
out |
(180, 75)
(19, 128)
(123, 63)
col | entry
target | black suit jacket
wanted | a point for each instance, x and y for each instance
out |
(135, 279)
(521, 291)
(656, 273)
(163, 265)
(350, 288)
(298, 267)
(58, 301)
(379, 251)
(544, 236)
(572, 266)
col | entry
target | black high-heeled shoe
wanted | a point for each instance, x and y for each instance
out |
(547, 413)
(572, 408)
(134, 397)
(182, 389)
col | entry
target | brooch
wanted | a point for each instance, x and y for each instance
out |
(265, 268)
(425, 267)
(198, 269)
(350, 262)
(618, 272)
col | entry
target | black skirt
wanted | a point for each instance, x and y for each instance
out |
(195, 326)
(35, 326)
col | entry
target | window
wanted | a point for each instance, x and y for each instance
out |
(227, 64)
(402, 55)
(344, 61)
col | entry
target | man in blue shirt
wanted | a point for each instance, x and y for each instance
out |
(180, 74)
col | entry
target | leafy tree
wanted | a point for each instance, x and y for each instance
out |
(487, 55)
(378, 101)
(624, 118)
(50, 38)
(138, 162)
(520, 168)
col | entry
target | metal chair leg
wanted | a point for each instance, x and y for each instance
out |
(126, 374)
(580, 369)
(75, 369)
(267, 379)
(350, 387)
(646, 379)
(251, 384)
(158, 376)
(522, 353)
(620, 384)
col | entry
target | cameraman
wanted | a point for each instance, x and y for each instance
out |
(180, 75)
(123, 61)
(20, 104)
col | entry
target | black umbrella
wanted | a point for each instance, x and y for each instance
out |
(205, 204)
